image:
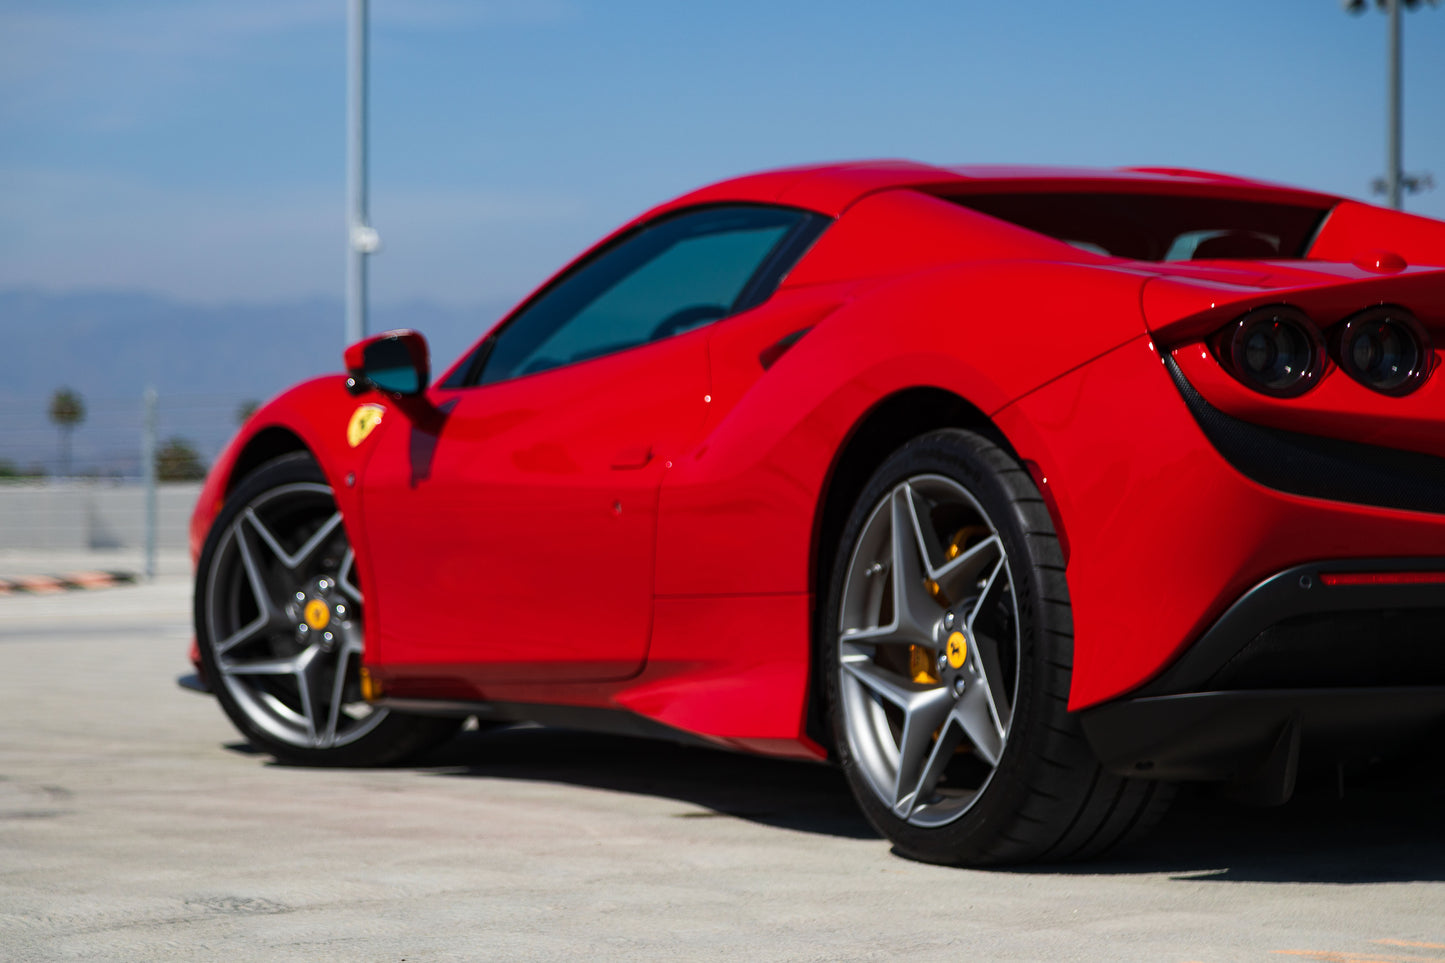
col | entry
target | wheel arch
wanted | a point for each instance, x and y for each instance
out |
(888, 425)
(267, 444)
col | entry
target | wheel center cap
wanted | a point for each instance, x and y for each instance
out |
(956, 649)
(317, 614)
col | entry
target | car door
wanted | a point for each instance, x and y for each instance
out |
(517, 536)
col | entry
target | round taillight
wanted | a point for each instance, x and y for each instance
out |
(1275, 350)
(1384, 349)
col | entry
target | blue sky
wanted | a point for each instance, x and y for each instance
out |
(196, 149)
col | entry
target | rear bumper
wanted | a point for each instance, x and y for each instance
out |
(1332, 661)
(1348, 624)
(1165, 532)
(1230, 735)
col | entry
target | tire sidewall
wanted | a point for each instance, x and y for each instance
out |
(975, 463)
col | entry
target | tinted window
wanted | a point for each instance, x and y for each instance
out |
(1154, 227)
(672, 276)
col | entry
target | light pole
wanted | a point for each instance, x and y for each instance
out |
(361, 237)
(1395, 182)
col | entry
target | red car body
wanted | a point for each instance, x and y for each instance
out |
(644, 532)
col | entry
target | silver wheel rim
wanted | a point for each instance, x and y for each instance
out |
(283, 615)
(927, 715)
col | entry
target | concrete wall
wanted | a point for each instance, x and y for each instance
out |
(85, 515)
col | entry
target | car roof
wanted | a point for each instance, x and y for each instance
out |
(832, 188)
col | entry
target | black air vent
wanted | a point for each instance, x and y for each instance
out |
(1342, 471)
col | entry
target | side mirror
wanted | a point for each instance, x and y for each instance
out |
(395, 362)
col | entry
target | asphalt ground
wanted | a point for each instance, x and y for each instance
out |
(134, 826)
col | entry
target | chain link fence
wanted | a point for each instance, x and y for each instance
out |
(77, 481)
(106, 441)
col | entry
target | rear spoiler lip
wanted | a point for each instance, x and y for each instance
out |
(1178, 310)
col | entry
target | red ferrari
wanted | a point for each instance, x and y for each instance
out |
(1021, 494)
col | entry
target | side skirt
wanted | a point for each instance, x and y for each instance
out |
(618, 722)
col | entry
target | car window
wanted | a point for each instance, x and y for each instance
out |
(1155, 226)
(674, 275)
(1244, 243)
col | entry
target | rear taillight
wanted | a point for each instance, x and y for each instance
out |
(1275, 350)
(1384, 349)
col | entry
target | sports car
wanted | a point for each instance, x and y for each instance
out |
(1021, 494)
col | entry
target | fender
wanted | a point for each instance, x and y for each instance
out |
(737, 515)
(316, 413)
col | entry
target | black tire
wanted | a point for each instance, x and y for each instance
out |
(1044, 795)
(246, 648)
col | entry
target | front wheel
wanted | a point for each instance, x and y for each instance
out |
(278, 621)
(948, 651)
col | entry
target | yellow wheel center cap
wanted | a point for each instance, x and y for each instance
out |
(318, 614)
(957, 650)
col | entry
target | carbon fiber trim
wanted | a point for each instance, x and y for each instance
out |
(1342, 471)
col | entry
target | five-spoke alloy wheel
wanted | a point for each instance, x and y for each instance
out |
(278, 621)
(947, 648)
(928, 650)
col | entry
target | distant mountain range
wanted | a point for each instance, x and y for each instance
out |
(203, 360)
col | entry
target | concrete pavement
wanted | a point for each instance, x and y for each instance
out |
(133, 826)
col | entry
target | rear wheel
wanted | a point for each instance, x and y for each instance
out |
(948, 667)
(279, 624)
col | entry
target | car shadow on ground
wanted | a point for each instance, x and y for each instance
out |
(1389, 825)
(801, 796)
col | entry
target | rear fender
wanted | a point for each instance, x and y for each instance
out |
(737, 515)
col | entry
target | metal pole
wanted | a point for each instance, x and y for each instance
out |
(1395, 176)
(360, 238)
(148, 476)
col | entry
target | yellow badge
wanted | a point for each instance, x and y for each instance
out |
(957, 650)
(317, 614)
(363, 420)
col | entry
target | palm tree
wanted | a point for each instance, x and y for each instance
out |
(178, 460)
(67, 410)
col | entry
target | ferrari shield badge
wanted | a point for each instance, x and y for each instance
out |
(363, 420)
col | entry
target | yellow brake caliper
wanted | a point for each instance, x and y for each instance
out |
(920, 665)
(920, 660)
